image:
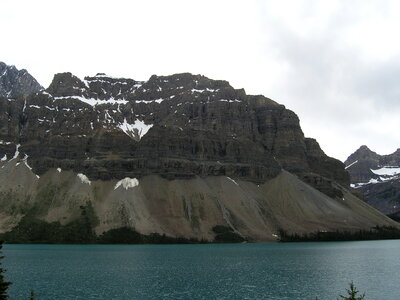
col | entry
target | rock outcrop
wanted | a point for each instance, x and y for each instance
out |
(15, 82)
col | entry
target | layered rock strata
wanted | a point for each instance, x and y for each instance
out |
(376, 178)
(175, 154)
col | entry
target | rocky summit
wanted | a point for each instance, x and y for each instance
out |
(16, 82)
(175, 155)
(377, 179)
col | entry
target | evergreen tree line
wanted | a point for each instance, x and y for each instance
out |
(375, 233)
(80, 231)
(34, 231)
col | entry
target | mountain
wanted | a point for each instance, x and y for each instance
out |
(15, 82)
(377, 178)
(174, 155)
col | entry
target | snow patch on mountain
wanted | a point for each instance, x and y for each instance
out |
(232, 180)
(150, 101)
(92, 101)
(381, 179)
(84, 178)
(127, 183)
(353, 163)
(230, 100)
(103, 75)
(135, 130)
(387, 171)
(25, 160)
(16, 151)
(371, 181)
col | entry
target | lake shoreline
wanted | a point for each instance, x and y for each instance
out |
(31, 230)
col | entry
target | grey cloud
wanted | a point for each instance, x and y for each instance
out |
(332, 87)
(381, 82)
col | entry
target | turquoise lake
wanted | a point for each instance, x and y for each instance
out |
(216, 271)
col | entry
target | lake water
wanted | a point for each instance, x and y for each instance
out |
(229, 271)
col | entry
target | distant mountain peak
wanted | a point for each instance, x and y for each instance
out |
(66, 84)
(362, 153)
(363, 163)
(14, 82)
(377, 178)
(364, 147)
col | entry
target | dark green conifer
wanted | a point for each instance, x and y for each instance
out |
(352, 293)
(3, 284)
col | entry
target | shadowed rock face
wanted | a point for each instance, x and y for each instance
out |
(371, 159)
(176, 126)
(377, 178)
(360, 163)
(15, 82)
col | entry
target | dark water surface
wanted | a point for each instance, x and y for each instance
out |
(230, 271)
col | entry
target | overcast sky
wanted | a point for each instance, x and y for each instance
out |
(335, 63)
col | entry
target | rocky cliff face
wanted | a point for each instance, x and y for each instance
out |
(176, 126)
(377, 178)
(179, 127)
(15, 82)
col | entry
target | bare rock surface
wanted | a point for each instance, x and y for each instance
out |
(377, 178)
(174, 154)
